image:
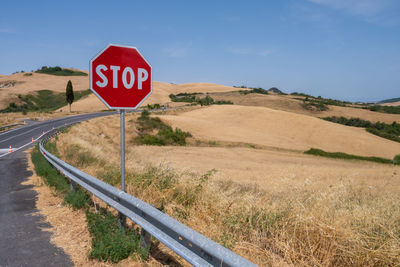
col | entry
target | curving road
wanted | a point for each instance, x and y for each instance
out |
(22, 240)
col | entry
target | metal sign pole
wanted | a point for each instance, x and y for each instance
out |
(122, 218)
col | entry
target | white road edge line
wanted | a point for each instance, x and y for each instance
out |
(15, 150)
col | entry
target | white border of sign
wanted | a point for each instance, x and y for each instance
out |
(102, 100)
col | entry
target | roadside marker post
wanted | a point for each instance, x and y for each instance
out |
(121, 78)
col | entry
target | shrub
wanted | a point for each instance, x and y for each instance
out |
(58, 71)
(341, 155)
(165, 135)
(384, 109)
(314, 105)
(388, 131)
(396, 160)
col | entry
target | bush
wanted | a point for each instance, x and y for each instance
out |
(165, 135)
(58, 71)
(341, 155)
(384, 109)
(191, 98)
(388, 131)
(396, 160)
(314, 105)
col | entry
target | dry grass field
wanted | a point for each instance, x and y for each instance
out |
(288, 103)
(244, 182)
(274, 128)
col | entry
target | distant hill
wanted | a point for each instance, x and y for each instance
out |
(275, 90)
(272, 90)
(391, 100)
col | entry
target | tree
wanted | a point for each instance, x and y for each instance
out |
(69, 94)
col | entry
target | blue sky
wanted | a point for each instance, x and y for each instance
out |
(344, 49)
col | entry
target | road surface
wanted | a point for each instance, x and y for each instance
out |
(22, 240)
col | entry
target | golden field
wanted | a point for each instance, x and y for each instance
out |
(263, 197)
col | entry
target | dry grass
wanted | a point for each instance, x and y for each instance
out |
(282, 208)
(269, 127)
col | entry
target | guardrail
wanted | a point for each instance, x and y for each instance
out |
(197, 249)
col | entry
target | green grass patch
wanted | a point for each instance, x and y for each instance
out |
(50, 175)
(110, 242)
(58, 71)
(341, 155)
(44, 100)
(78, 199)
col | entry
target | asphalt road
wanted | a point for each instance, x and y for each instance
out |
(22, 240)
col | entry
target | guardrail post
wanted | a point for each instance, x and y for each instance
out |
(72, 186)
(144, 239)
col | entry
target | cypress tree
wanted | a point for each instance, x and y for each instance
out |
(69, 94)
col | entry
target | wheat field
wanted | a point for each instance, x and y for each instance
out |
(270, 204)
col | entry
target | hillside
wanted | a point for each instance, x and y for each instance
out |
(160, 94)
(280, 129)
(20, 84)
(23, 83)
(390, 101)
(290, 104)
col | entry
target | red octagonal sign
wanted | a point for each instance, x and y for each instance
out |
(120, 77)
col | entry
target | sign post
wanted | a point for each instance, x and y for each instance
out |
(121, 78)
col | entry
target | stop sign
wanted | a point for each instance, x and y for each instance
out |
(120, 77)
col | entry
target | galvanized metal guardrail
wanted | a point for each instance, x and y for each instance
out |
(197, 249)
